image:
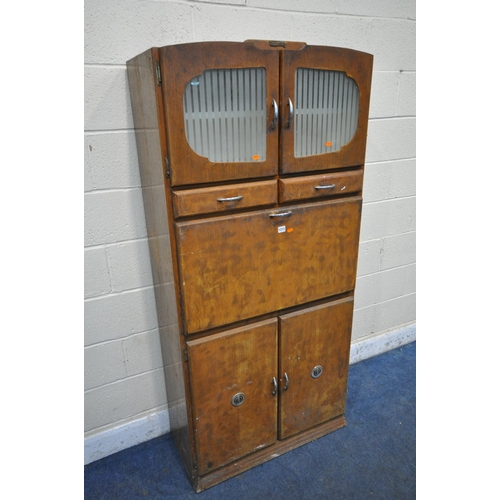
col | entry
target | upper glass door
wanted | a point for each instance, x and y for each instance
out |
(326, 111)
(326, 92)
(225, 114)
(221, 103)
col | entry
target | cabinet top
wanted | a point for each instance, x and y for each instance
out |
(287, 45)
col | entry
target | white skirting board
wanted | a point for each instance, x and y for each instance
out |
(382, 342)
(126, 435)
(143, 429)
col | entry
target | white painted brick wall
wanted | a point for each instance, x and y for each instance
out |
(112, 361)
(124, 399)
(118, 315)
(112, 160)
(239, 24)
(123, 366)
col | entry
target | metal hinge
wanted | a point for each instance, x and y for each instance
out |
(185, 354)
(167, 168)
(158, 73)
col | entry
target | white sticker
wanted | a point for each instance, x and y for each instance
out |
(281, 229)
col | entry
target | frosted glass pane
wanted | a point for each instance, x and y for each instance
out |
(225, 114)
(326, 111)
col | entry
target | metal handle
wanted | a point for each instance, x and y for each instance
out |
(282, 214)
(287, 382)
(275, 385)
(326, 186)
(238, 399)
(290, 116)
(233, 198)
(275, 115)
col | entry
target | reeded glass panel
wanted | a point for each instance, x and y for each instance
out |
(326, 111)
(225, 114)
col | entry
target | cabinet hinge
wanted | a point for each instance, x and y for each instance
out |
(185, 354)
(158, 73)
(167, 168)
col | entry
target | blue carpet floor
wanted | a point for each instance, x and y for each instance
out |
(372, 458)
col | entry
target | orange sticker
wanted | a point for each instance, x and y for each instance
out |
(328, 143)
(289, 230)
(256, 157)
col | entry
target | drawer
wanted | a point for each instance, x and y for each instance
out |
(224, 198)
(316, 186)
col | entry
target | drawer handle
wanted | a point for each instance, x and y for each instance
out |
(232, 198)
(326, 186)
(287, 382)
(282, 214)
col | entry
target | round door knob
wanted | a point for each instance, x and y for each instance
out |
(238, 399)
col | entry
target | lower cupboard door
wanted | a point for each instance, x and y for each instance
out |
(233, 393)
(314, 361)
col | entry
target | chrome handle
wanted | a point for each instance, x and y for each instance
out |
(287, 382)
(275, 115)
(290, 116)
(326, 186)
(275, 385)
(233, 198)
(282, 214)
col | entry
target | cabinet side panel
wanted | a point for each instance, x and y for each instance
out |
(145, 108)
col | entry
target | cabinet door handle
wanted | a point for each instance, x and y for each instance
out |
(290, 115)
(326, 186)
(287, 382)
(282, 214)
(275, 387)
(275, 115)
(233, 198)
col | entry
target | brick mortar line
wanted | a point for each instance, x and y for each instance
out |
(128, 377)
(382, 237)
(366, 203)
(391, 160)
(386, 270)
(193, 3)
(386, 301)
(121, 339)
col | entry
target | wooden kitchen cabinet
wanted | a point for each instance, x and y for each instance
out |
(252, 158)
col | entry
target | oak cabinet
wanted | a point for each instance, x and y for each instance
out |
(252, 160)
